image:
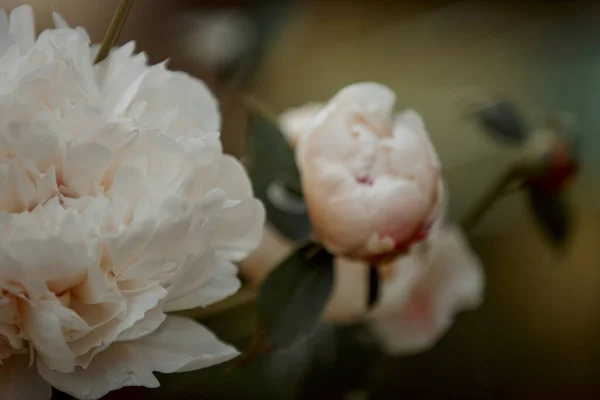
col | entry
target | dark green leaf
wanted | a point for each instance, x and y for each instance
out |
(293, 365)
(273, 165)
(292, 298)
(502, 120)
(552, 214)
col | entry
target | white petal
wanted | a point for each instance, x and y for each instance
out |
(86, 162)
(239, 230)
(222, 283)
(42, 328)
(129, 243)
(453, 282)
(169, 235)
(19, 381)
(138, 304)
(178, 345)
(144, 269)
(59, 21)
(233, 178)
(22, 27)
(59, 263)
(181, 344)
(192, 273)
(151, 321)
(118, 366)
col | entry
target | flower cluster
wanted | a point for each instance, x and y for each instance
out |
(117, 206)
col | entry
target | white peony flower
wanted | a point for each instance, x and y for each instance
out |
(371, 182)
(117, 205)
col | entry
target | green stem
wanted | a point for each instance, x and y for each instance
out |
(491, 196)
(114, 29)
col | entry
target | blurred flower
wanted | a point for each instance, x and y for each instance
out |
(371, 182)
(117, 205)
(218, 39)
(427, 287)
(554, 160)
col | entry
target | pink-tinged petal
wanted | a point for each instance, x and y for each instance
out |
(453, 282)
(19, 381)
(294, 122)
(179, 345)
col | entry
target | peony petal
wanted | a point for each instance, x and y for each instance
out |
(181, 345)
(22, 27)
(233, 178)
(138, 303)
(453, 282)
(178, 345)
(42, 327)
(348, 300)
(151, 321)
(59, 21)
(222, 283)
(19, 381)
(239, 230)
(59, 263)
(85, 164)
(294, 122)
(170, 235)
(129, 243)
(144, 269)
(192, 273)
(118, 366)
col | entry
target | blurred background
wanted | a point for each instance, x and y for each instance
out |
(538, 332)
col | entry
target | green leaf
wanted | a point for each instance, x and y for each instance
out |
(273, 162)
(552, 214)
(292, 298)
(503, 122)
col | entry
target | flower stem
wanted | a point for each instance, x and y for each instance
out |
(374, 286)
(497, 191)
(114, 29)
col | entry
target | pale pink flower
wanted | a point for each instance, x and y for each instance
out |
(371, 180)
(437, 279)
(117, 206)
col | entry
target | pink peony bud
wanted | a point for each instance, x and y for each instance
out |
(371, 180)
